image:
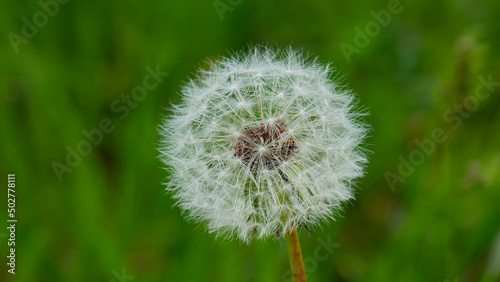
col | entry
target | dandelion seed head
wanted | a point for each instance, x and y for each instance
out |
(263, 142)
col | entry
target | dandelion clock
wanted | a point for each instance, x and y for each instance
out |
(263, 143)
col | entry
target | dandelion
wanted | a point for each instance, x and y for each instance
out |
(263, 142)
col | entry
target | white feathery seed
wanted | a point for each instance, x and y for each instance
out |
(262, 143)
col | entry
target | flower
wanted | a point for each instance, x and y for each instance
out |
(263, 142)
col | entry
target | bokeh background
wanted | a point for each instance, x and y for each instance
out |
(108, 218)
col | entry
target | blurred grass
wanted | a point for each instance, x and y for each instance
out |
(111, 213)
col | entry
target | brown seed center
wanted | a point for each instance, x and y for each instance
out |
(265, 146)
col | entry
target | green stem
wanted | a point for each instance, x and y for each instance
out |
(295, 256)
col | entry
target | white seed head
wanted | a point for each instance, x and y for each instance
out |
(262, 143)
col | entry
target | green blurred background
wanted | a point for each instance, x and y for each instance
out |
(109, 218)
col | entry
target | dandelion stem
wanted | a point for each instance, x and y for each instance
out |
(295, 256)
